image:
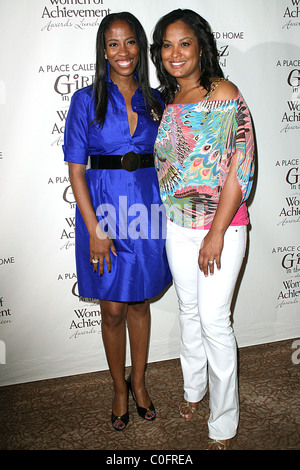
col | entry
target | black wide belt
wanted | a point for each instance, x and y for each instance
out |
(130, 161)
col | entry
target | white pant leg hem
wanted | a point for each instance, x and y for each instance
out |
(221, 438)
(196, 398)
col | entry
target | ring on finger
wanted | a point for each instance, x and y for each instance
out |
(211, 261)
(95, 261)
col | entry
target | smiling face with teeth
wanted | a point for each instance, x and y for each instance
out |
(180, 52)
(121, 49)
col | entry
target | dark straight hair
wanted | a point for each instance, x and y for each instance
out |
(100, 94)
(209, 61)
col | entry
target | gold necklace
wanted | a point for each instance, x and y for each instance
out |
(214, 86)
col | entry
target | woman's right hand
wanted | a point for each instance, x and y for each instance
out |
(100, 248)
(100, 244)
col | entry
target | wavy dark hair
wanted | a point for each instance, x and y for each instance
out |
(209, 62)
(100, 94)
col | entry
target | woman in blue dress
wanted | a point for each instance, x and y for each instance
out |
(119, 232)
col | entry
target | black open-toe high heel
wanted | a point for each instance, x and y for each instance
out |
(142, 412)
(124, 418)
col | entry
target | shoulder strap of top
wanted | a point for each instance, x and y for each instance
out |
(214, 86)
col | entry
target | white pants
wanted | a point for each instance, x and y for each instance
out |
(208, 347)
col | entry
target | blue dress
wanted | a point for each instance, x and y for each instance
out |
(127, 204)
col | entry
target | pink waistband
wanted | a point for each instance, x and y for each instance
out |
(241, 217)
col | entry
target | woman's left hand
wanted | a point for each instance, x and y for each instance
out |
(210, 252)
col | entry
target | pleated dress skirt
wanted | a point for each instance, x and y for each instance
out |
(130, 211)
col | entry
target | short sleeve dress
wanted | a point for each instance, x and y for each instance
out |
(127, 204)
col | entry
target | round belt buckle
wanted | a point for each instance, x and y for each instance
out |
(131, 161)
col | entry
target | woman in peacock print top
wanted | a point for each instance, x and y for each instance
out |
(204, 156)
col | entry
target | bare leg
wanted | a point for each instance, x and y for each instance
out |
(138, 320)
(114, 339)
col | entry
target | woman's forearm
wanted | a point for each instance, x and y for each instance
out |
(100, 243)
(229, 202)
(82, 196)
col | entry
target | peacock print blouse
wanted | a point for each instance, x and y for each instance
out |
(193, 153)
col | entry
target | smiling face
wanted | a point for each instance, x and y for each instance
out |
(180, 51)
(121, 49)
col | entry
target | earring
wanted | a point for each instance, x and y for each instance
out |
(105, 56)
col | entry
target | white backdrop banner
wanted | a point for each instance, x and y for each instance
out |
(48, 52)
